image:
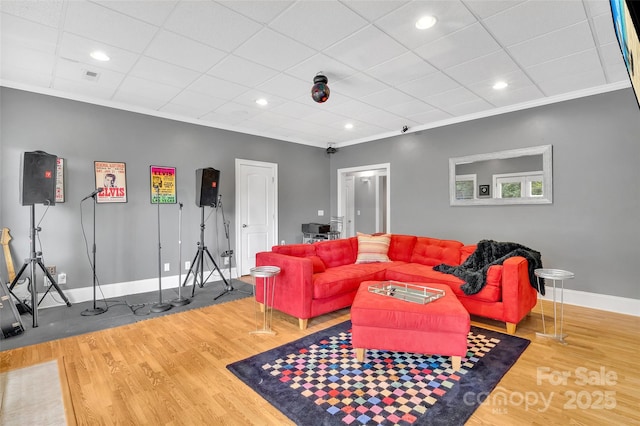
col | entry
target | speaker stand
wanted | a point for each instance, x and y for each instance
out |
(160, 306)
(34, 260)
(197, 265)
(95, 310)
(180, 301)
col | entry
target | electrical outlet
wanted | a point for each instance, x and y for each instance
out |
(52, 270)
(167, 267)
(225, 260)
(320, 212)
(62, 278)
(187, 265)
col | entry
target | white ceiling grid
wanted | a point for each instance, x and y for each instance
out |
(208, 61)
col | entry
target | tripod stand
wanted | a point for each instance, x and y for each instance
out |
(36, 259)
(197, 265)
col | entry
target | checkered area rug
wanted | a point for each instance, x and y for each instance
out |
(317, 380)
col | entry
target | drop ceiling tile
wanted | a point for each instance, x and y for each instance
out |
(564, 83)
(152, 11)
(285, 86)
(274, 50)
(514, 96)
(354, 109)
(105, 25)
(598, 7)
(613, 64)
(31, 77)
(224, 120)
(308, 68)
(491, 66)
(182, 51)
(76, 71)
(250, 97)
(430, 85)
(239, 70)
(21, 33)
(532, 19)
(516, 80)
(387, 98)
(162, 72)
(401, 69)
(461, 46)
(570, 65)
(48, 12)
(484, 9)
(410, 109)
(357, 86)
(28, 59)
(429, 116)
(299, 22)
(450, 98)
(374, 9)
(258, 10)
(553, 45)
(271, 118)
(401, 23)
(357, 50)
(198, 101)
(605, 33)
(70, 77)
(467, 108)
(144, 93)
(184, 110)
(295, 110)
(212, 24)
(216, 87)
(78, 49)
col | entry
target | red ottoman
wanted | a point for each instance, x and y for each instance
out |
(382, 322)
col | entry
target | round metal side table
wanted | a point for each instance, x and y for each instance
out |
(268, 276)
(554, 275)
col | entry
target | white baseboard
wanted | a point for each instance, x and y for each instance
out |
(603, 302)
(109, 291)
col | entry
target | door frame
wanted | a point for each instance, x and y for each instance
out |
(344, 172)
(274, 225)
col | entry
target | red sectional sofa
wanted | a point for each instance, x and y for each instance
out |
(323, 277)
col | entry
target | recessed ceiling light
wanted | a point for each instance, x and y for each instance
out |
(99, 56)
(500, 85)
(426, 22)
(262, 102)
(348, 126)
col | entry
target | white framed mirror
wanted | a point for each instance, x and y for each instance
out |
(517, 176)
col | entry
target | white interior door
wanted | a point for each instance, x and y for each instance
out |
(256, 207)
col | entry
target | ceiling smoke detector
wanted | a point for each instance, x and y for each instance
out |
(320, 91)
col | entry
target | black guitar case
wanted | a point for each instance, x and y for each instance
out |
(10, 321)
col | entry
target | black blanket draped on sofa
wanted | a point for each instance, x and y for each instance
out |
(488, 253)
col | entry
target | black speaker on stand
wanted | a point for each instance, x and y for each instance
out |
(38, 178)
(207, 187)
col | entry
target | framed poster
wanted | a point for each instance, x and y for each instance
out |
(112, 178)
(60, 180)
(163, 185)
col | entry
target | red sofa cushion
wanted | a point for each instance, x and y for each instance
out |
(466, 251)
(336, 252)
(298, 250)
(401, 247)
(432, 251)
(346, 278)
(318, 264)
(412, 272)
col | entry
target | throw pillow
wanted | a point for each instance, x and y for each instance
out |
(318, 264)
(373, 248)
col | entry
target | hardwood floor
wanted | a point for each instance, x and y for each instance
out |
(171, 370)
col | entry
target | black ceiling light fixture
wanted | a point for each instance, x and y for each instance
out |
(320, 91)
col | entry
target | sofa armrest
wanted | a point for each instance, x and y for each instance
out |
(294, 288)
(518, 296)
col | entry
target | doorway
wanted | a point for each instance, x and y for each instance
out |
(257, 211)
(364, 199)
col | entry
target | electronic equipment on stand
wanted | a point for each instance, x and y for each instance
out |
(38, 185)
(160, 306)
(206, 195)
(95, 310)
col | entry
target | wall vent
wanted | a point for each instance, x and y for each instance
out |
(91, 75)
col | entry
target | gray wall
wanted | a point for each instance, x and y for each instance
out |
(592, 227)
(126, 234)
